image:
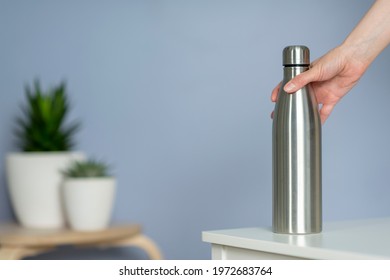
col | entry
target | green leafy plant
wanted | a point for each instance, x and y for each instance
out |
(42, 127)
(86, 169)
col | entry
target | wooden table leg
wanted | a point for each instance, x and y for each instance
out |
(17, 253)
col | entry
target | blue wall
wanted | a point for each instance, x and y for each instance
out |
(176, 95)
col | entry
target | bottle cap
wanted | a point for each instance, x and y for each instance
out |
(296, 56)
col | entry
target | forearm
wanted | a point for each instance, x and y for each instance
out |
(371, 35)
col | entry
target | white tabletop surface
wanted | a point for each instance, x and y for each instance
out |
(360, 239)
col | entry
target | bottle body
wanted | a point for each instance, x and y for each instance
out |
(297, 171)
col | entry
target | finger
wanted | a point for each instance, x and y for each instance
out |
(301, 80)
(275, 91)
(325, 112)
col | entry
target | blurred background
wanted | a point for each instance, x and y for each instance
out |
(176, 96)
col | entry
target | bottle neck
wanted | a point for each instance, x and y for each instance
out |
(292, 71)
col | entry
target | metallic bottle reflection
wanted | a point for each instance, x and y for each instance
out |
(296, 140)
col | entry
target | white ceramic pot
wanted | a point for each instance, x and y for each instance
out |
(88, 202)
(34, 182)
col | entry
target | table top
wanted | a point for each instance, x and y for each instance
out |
(360, 239)
(15, 235)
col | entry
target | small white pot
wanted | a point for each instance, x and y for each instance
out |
(88, 202)
(34, 182)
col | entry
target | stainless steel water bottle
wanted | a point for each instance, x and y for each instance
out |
(296, 141)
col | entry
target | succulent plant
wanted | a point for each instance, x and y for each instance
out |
(42, 128)
(86, 169)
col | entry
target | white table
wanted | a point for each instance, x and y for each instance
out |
(361, 239)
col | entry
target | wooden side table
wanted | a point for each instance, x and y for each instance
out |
(17, 242)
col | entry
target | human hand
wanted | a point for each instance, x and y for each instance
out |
(332, 76)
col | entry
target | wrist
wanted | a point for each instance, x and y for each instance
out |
(357, 53)
(371, 35)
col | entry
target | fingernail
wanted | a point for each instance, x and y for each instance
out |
(289, 87)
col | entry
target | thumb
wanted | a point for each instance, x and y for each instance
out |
(301, 80)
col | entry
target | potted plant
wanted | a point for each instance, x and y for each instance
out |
(34, 176)
(89, 192)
